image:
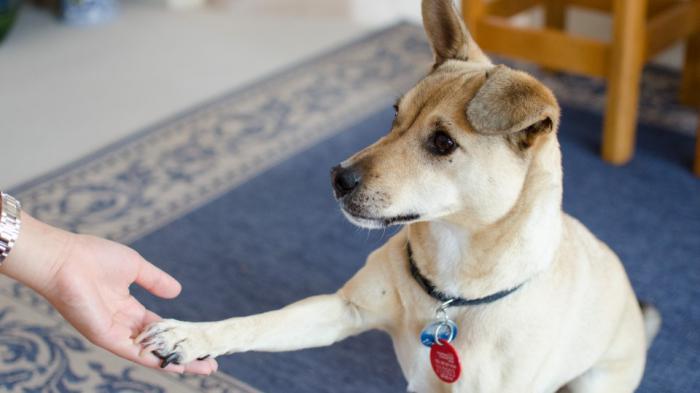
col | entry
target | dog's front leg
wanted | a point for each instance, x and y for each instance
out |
(312, 322)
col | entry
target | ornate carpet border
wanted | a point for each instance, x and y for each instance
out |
(136, 186)
(41, 352)
(133, 188)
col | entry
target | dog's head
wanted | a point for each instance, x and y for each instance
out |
(461, 142)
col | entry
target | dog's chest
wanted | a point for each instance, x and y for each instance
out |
(486, 364)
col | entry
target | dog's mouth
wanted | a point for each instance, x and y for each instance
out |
(364, 207)
(379, 222)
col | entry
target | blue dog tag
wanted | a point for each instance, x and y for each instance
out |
(445, 330)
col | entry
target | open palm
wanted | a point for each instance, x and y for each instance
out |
(90, 288)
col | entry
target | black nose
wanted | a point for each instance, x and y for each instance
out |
(344, 180)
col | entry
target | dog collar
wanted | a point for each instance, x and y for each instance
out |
(447, 300)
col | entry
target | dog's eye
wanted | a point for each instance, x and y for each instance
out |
(396, 111)
(442, 144)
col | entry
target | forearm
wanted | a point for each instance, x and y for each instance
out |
(365, 302)
(313, 322)
(37, 254)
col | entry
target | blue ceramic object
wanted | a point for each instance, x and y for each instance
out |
(446, 330)
(88, 12)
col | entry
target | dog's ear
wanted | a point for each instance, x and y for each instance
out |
(447, 33)
(513, 104)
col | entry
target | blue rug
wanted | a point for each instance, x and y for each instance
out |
(233, 199)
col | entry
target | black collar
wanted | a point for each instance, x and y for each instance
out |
(451, 301)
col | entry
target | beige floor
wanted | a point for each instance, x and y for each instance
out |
(66, 91)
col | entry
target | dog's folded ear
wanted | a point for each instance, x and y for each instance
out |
(447, 33)
(514, 104)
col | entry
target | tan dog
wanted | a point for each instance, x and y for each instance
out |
(472, 168)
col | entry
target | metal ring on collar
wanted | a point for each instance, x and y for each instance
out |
(436, 335)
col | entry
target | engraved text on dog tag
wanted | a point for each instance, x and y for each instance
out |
(445, 361)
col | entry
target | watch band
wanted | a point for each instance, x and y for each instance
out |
(10, 222)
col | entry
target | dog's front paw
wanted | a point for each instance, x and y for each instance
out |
(175, 341)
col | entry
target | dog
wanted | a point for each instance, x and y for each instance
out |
(487, 267)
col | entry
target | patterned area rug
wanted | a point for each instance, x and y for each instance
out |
(39, 352)
(217, 196)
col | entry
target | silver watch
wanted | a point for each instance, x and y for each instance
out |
(10, 221)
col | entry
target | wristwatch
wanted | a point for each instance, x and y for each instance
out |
(10, 211)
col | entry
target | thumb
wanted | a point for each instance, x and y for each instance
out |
(157, 281)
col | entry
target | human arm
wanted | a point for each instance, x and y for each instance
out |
(87, 280)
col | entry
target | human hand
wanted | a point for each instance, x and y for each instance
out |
(87, 280)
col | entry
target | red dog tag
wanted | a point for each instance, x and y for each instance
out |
(445, 361)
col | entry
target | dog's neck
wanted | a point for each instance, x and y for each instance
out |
(472, 262)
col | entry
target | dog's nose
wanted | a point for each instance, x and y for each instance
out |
(344, 180)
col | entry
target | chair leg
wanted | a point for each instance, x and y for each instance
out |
(554, 18)
(555, 14)
(624, 74)
(690, 87)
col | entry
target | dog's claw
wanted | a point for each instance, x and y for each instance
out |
(174, 342)
(173, 358)
(203, 357)
(158, 355)
(147, 336)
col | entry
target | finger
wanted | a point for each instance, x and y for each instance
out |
(130, 314)
(149, 317)
(134, 316)
(202, 367)
(157, 281)
(139, 327)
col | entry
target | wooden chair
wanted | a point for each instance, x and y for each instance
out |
(641, 29)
